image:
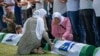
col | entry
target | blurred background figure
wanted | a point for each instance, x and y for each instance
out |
(86, 16)
(73, 14)
(9, 3)
(60, 6)
(61, 27)
(40, 5)
(17, 12)
(19, 29)
(2, 24)
(96, 4)
(34, 31)
(9, 19)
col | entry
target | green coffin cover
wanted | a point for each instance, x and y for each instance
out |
(2, 36)
(87, 50)
(95, 52)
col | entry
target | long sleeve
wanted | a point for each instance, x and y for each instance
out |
(54, 29)
(45, 36)
(40, 28)
(68, 33)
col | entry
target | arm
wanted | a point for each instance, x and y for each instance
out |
(63, 1)
(6, 20)
(34, 1)
(2, 3)
(50, 1)
(11, 4)
(41, 30)
(10, 19)
(46, 37)
(54, 29)
(68, 29)
(23, 3)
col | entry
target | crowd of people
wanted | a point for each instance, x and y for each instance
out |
(74, 20)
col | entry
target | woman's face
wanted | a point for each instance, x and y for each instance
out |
(56, 21)
(8, 9)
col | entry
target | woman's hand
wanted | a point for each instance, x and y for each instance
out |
(52, 45)
(4, 19)
(63, 39)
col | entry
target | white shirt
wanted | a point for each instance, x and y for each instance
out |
(59, 7)
(86, 4)
(96, 6)
(38, 5)
(26, 6)
(72, 5)
(23, 7)
(9, 2)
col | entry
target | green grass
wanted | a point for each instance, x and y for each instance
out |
(8, 50)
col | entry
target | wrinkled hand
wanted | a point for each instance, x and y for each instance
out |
(52, 45)
(63, 39)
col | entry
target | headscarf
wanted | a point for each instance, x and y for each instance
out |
(58, 15)
(39, 14)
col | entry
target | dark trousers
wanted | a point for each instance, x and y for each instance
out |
(18, 16)
(26, 14)
(78, 31)
(65, 14)
(29, 12)
(97, 39)
(98, 29)
(86, 17)
(2, 24)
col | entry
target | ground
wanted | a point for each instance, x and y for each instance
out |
(8, 50)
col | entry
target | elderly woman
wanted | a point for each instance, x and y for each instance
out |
(34, 30)
(61, 27)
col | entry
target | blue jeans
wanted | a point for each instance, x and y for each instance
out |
(86, 17)
(97, 39)
(18, 16)
(78, 30)
(2, 24)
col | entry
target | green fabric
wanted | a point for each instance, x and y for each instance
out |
(2, 36)
(87, 50)
(46, 48)
(96, 50)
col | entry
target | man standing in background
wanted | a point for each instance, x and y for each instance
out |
(86, 17)
(40, 5)
(9, 3)
(73, 14)
(59, 6)
(96, 5)
(17, 13)
(2, 24)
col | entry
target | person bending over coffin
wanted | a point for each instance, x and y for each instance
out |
(34, 30)
(61, 27)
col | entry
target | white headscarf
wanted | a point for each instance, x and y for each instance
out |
(58, 15)
(40, 22)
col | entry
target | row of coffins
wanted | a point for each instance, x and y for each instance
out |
(62, 48)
